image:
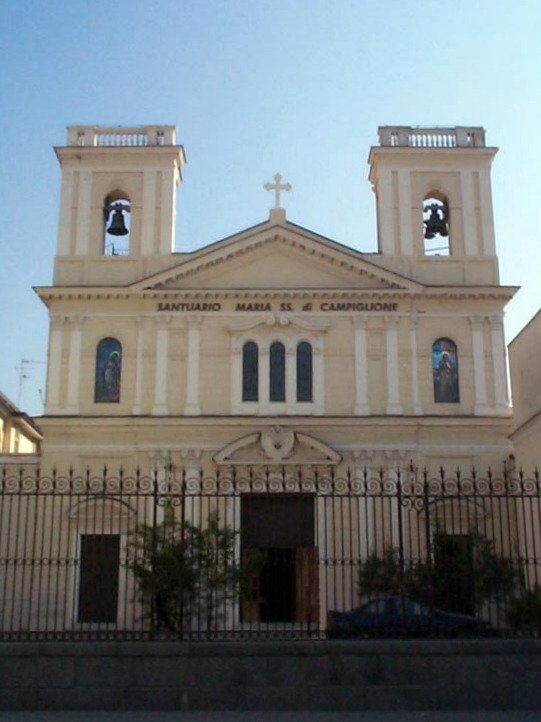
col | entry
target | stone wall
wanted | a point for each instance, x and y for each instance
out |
(326, 675)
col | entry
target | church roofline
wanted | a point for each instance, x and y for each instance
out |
(239, 243)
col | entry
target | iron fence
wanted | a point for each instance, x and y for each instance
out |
(269, 553)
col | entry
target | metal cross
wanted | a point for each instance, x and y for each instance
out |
(277, 186)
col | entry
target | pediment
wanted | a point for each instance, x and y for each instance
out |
(278, 257)
(278, 445)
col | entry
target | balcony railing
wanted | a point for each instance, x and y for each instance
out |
(407, 136)
(136, 136)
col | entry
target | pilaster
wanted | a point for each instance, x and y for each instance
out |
(469, 224)
(82, 226)
(138, 394)
(74, 364)
(148, 219)
(487, 219)
(54, 365)
(193, 407)
(404, 212)
(477, 324)
(393, 391)
(160, 407)
(501, 394)
(291, 376)
(236, 376)
(318, 380)
(416, 401)
(264, 379)
(65, 220)
(362, 405)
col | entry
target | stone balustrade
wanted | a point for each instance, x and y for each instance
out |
(408, 136)
(136, 136)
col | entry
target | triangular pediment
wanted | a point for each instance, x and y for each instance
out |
(276, 257)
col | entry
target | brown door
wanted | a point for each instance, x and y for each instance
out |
(453, 557)
(98, 580)
(277, 539)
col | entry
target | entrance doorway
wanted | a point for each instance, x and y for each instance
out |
(280, 557)
(98, 584)
(453, 558)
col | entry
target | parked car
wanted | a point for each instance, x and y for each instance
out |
(392, 616)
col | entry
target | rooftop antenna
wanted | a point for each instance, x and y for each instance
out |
(23, 375)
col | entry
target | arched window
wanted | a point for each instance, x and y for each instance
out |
(116, 216)
(304, 371)
(436, 225)
(445, 371)
(250, 371)
(108, 371)
(277, 378)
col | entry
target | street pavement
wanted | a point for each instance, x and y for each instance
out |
(261, 716)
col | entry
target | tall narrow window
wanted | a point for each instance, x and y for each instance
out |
(436, 225)
(116, 215)
(108, 371)
(304, 371)
(445, 371)
(250, 372)
(277, 360)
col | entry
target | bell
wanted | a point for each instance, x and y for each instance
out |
(117, 226)
(436, 223)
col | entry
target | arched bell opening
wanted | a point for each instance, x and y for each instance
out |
(436, 225)
(117, 224)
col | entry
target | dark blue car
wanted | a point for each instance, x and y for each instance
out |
(390, 616)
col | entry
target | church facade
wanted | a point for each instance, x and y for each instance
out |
(295, 406)
(276, 345)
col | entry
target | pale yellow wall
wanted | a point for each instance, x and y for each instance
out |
(288, 274)
(215, 353)
(524, 351)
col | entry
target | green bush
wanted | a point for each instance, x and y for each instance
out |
(184, 571)
(486, 574)
(524, 612)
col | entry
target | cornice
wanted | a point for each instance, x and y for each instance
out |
(86, 293)
(128, 421)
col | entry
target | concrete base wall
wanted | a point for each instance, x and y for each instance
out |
(326, 675)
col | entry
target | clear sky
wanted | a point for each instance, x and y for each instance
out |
(256, 87)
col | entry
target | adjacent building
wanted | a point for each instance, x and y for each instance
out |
(526, 385)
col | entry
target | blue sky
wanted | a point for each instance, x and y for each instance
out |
(256, 87)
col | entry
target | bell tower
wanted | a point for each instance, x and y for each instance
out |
(117, 207)
(434, 204)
